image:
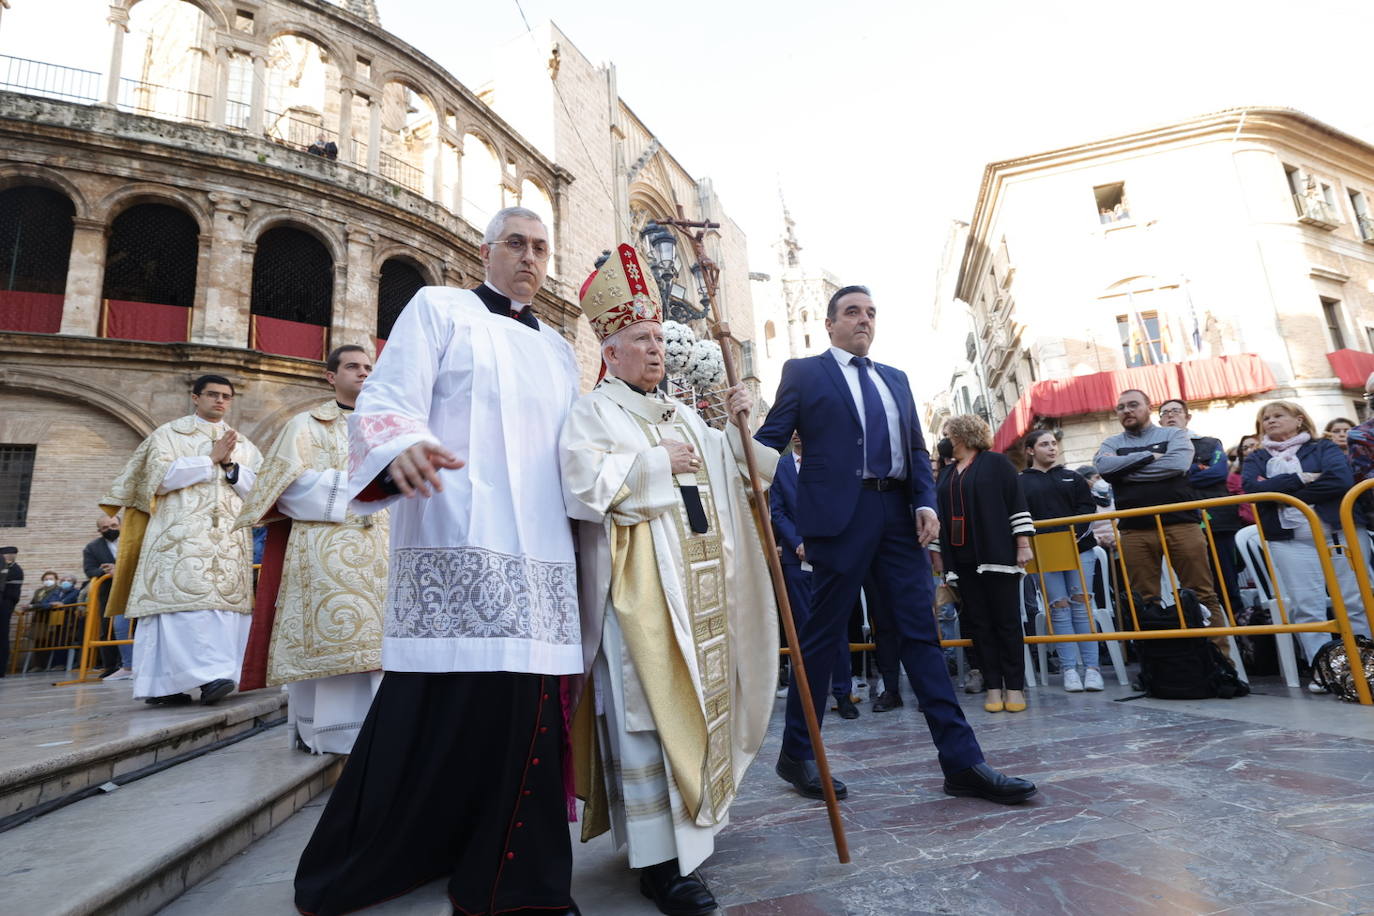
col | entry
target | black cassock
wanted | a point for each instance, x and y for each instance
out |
(452, 774)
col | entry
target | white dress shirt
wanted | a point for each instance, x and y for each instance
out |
(894, 428)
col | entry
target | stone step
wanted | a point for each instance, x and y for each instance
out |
(59, 742)
(130, 851)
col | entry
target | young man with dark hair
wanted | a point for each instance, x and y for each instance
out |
(181, 563)
(317, 620)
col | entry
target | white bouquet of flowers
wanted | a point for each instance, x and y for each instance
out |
(706, 367)
(678, 340)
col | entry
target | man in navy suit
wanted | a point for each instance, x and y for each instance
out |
(865, 503)
(796, 571)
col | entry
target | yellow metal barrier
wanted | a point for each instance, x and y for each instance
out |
(1054, 559)
(45, 630)
(96, 633)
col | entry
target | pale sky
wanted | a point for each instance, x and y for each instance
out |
(877, 118)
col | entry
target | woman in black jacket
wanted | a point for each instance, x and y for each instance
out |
(985, 531)
(1053, 491)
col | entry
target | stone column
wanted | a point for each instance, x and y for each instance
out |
(374, 134)
(355, 292)
(436, 167)
(85, 278)
(258, 104)
(346, 125)
(219, 99)
(221, 317)
(119, 21)
(456, 204)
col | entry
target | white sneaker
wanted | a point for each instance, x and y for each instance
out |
(1314, 687)
(1092, 679)
(123, 674)
(1072, 682)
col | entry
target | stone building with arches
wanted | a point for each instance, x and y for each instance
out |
(245, 186)
(1226, 259)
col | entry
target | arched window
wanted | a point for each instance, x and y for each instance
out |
(769, 332)
(35, 248)
(409, 134)
(481, 182)
(302, 92)
(293, 294)
(533, 197)
(150, 274)
(400, 280)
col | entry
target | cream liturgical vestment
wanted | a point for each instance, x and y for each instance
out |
(194, 573)
(679, 626)
(482, 577)
(326, 633)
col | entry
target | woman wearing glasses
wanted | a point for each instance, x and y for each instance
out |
(1292, 458)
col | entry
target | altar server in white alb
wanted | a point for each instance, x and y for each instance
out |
(317, 620)
(458, 771)
(184, 572)
(679, 623)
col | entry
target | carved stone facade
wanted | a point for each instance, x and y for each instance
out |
(405, 188)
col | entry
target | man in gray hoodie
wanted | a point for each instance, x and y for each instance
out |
(1147, 465)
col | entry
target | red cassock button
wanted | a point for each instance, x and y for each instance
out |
(519, 823)
(546, 696)
(534, 762)
(543, 728)
(510, 855)
(526, 792)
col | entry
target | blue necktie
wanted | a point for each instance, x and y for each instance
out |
(877, 442)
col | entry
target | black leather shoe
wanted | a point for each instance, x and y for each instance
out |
(176, 699)
(215, 691)
(982, 781)
(805, 777)
(675, 894)
(888, 700)
(846, 706)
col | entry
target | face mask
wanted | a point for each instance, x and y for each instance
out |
(66, 583)
(110, 534)
(49, 582)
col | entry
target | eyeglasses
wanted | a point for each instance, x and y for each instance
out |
(518, 244)
(1133, 405)
(1171, 412)
(216, 395)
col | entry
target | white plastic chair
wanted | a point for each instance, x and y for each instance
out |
(1104, 617)
(1252, 561)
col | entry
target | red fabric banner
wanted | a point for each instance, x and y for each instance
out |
(1194, 380)
(32, 313)
(124, 320)
(288, 338)
(1352, 367)
(379, 342)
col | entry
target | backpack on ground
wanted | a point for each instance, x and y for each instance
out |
(1188, 668)
(1331, 667)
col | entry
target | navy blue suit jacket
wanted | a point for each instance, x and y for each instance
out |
(782, 497)
(813, 399)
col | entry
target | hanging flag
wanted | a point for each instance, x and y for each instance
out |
(1192, 316)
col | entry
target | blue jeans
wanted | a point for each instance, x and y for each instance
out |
(121, 631)
(1069, 612)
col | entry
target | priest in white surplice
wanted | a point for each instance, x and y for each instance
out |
(679, 623)
(317, 620)
(458, 770)
(184, 572)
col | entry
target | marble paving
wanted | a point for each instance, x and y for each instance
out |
(1258, 805)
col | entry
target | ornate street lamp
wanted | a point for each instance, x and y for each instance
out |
(658, 238)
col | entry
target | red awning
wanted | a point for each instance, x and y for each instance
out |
(1195, 380)
(126, 320)
(379, 342)
(33, 313)
(288, 338)
(1352, 367)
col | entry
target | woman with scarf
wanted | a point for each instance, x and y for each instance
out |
(1292, 458)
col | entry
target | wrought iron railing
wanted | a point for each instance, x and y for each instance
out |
(237, 115)
(1315, 210)
(401, 172)
(1367, 228)
(52, 81)
(156, 101)
(296, 133)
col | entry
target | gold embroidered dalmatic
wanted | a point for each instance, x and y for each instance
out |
(334, 576)
(190, 556)
(695, 610)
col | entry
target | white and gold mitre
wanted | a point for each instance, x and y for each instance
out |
(619, 294)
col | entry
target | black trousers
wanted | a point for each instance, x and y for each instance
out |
(887, 638)
(452, 774)
(6, 611)
(990, 603)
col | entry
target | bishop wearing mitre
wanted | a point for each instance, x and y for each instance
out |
(679, 626)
